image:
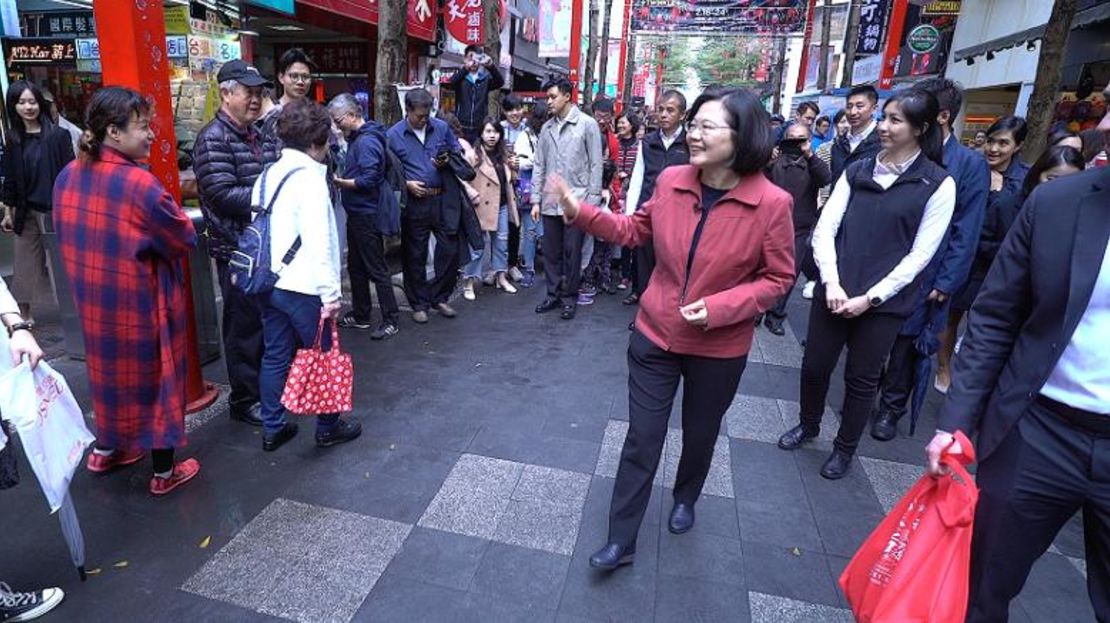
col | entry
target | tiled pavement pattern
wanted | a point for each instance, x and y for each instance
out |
(479, 489)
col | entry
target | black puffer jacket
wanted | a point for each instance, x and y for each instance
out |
(227, 160)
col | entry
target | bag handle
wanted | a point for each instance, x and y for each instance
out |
(320, 335)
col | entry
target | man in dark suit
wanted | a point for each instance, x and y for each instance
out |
(1032, 379)
(862, 141)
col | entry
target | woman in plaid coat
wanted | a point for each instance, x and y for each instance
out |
(122, 237)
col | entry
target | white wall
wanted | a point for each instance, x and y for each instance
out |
(984, 20)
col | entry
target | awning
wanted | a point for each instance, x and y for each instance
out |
(1088, 17)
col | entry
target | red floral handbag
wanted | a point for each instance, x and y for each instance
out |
(319, 382)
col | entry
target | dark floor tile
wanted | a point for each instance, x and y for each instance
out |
(713, 515)
(536, 449)
(441, 558)
(846, 511)
(1070, 540)
(480, 608)
(770, 381)
(1056, 591)
(529, 577)
(771, 500)
(396, 599)
(790, 572)
(689, 599)
(627, 594)
(398, 499)
(701, 556)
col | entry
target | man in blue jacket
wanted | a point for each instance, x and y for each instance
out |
(368, 220)
(472, 84)
(950, 267)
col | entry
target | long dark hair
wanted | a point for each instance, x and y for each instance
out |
(110, 106)
(920, 108)
(15, 92)
(1052, 157)
(538, 116)
(497, 155)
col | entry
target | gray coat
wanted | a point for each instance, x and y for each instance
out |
(570, 147)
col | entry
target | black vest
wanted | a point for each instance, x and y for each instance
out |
(879, 228)
(657, 157)
(843, 156)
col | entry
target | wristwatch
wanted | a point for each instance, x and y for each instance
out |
(875, 301)
(24, 325)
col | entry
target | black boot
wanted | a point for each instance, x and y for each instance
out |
(885, 427)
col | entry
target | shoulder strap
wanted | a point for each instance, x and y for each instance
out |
(296, 246)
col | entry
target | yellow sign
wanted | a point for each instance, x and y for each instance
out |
(942, 7)
(177, 20)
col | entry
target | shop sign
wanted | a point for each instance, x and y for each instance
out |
(942, 7)
(68, 24)
(282, 6)
(554, 22)
(177, 20)
(208, 53)
(421, 19)
(41, 51)
(89, 49)
(867, 69)
(464, 21)
(872, 26)
(201, 27)
(923, 39)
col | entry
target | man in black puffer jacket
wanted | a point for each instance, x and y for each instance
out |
(228, 156)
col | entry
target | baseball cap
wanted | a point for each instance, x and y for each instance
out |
(239, 71)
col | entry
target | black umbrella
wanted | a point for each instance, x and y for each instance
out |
(926, 344)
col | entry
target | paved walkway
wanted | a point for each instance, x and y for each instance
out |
(478, 491)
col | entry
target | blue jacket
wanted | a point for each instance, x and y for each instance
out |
(417, 157)
(472, 94)
(950, 267)
(365, 164)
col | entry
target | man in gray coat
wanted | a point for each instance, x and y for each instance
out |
(569, 145)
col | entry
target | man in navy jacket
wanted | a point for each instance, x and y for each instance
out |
(950, 267)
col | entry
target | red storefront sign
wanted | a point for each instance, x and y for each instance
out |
(422, 19)
(421, 14)
(464, 21)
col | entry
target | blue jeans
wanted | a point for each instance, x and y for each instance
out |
(497, 244)
(530, 237)
(289, 321)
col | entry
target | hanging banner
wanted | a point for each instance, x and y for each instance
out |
(926, 43)
(464, 21)
(554, 22)
(729, 16)
(421, 19)
(872, 26)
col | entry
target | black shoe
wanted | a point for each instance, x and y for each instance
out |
(682, 518)
(774, 324)
(384, 331)
(885, 427)
(794, 438)
(251, 415)
(348, 321)
(548, 304)
(278, 439)
(631, 299)
(837, 466)
(569, 311)
(612, 556)
(343, 432)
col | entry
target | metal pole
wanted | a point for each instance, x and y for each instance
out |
(623, 72)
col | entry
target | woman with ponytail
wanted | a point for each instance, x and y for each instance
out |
(883, 222)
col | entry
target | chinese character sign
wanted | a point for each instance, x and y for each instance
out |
(725, 16)
(554, 23)
(872, 24)
(464, 21)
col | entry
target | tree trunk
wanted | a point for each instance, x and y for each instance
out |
(591, 59)
(390, 68)
(603, 64)
(780, 73)
(850, 36)
(629, 68)
(823, 62)
(492, 17)
(1042, 101)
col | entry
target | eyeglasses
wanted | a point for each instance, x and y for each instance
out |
(305, 78)
(702, 127)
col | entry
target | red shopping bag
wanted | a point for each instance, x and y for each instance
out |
(319, 382)
(915, 566)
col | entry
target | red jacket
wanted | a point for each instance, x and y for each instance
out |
(743, 264)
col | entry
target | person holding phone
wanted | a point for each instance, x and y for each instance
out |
(696, 318)
(472, 83)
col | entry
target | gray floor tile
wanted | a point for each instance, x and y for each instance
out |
(790, 572)
(1055, 591)
(315, 563)
(473, 497)
(845, 510)
(754, 418)
(546, 526)
(778, 350)
(830, 422)
(441, 558)
(890, 480)
(397, 598)
(775, 609)
(718, 482)
(535, 448)
(703, 556)
(528, 577)
(560, 488)
(625, 595)
(771, 501)
(714, 515)
(688, 599)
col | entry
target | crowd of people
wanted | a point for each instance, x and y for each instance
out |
(706, 219)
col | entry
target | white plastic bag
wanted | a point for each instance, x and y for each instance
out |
(3, 438)
(50, 425)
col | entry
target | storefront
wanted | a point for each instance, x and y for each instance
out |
(46, 54)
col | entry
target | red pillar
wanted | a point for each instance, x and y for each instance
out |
(134, 55)
(893, 42)
(575, 44)
(662, 51)
(849, 46)
(626, 26)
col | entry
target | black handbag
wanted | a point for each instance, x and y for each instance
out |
(9, 469)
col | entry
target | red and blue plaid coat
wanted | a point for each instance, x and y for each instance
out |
(122, 237)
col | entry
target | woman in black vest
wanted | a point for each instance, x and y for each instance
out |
(883, 222)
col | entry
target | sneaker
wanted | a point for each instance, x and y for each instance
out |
(624, 284)
(529, 279)
(420, 316)
(15, 607)
(99, 464)
(348, 321)
(183, 472)
(342, 432)
(585, 299)
(807, 290)
(587, 289)
(515, 274)
(383, 331)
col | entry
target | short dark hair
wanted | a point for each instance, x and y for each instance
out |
(1061, 134)
(418, 99)
(452, 122)
(1052, 157)
(559, 82)
(822, 119)
(303, 124)
(292, 56)
(677, 96)
(752, 142)
(949, 94)
(804, 106)
(475, 48)
(1013, 124)
(633, 120)
(1094, 141)
(512, 101)
(603, 104)
(864, 89)
(538, 116)
(840, 114)
(110, 106)
(920, 108)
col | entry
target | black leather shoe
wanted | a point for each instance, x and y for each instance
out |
(682, 518)
(795, 437)
(885, 427)
(569, 311)
(612, 556)
(252, 415)
(774, 324)
(278, 439)
(343, 432)
(837, 466)
(548, 304)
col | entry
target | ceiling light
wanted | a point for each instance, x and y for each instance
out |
(990, 56)
(285, 27)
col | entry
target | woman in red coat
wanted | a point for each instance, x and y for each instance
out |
(724, 246)
(122, 237)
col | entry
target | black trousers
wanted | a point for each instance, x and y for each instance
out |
(514, 244)
(628, 262)
(803, 256)
(709, 386)
(898, 380)
(1043, 472)
(365, 264)
(645, 265)
(869, 338)
(562, 259)
(242, 333)
(423, 219)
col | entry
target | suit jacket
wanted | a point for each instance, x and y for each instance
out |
(1033, 297)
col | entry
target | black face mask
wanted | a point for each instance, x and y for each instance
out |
(791, 147)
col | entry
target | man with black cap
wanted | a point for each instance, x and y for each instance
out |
(228, 155)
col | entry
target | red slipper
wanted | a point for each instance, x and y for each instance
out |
(183, 472)
(99, 464)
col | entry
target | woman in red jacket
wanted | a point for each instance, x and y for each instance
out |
(724, 243)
